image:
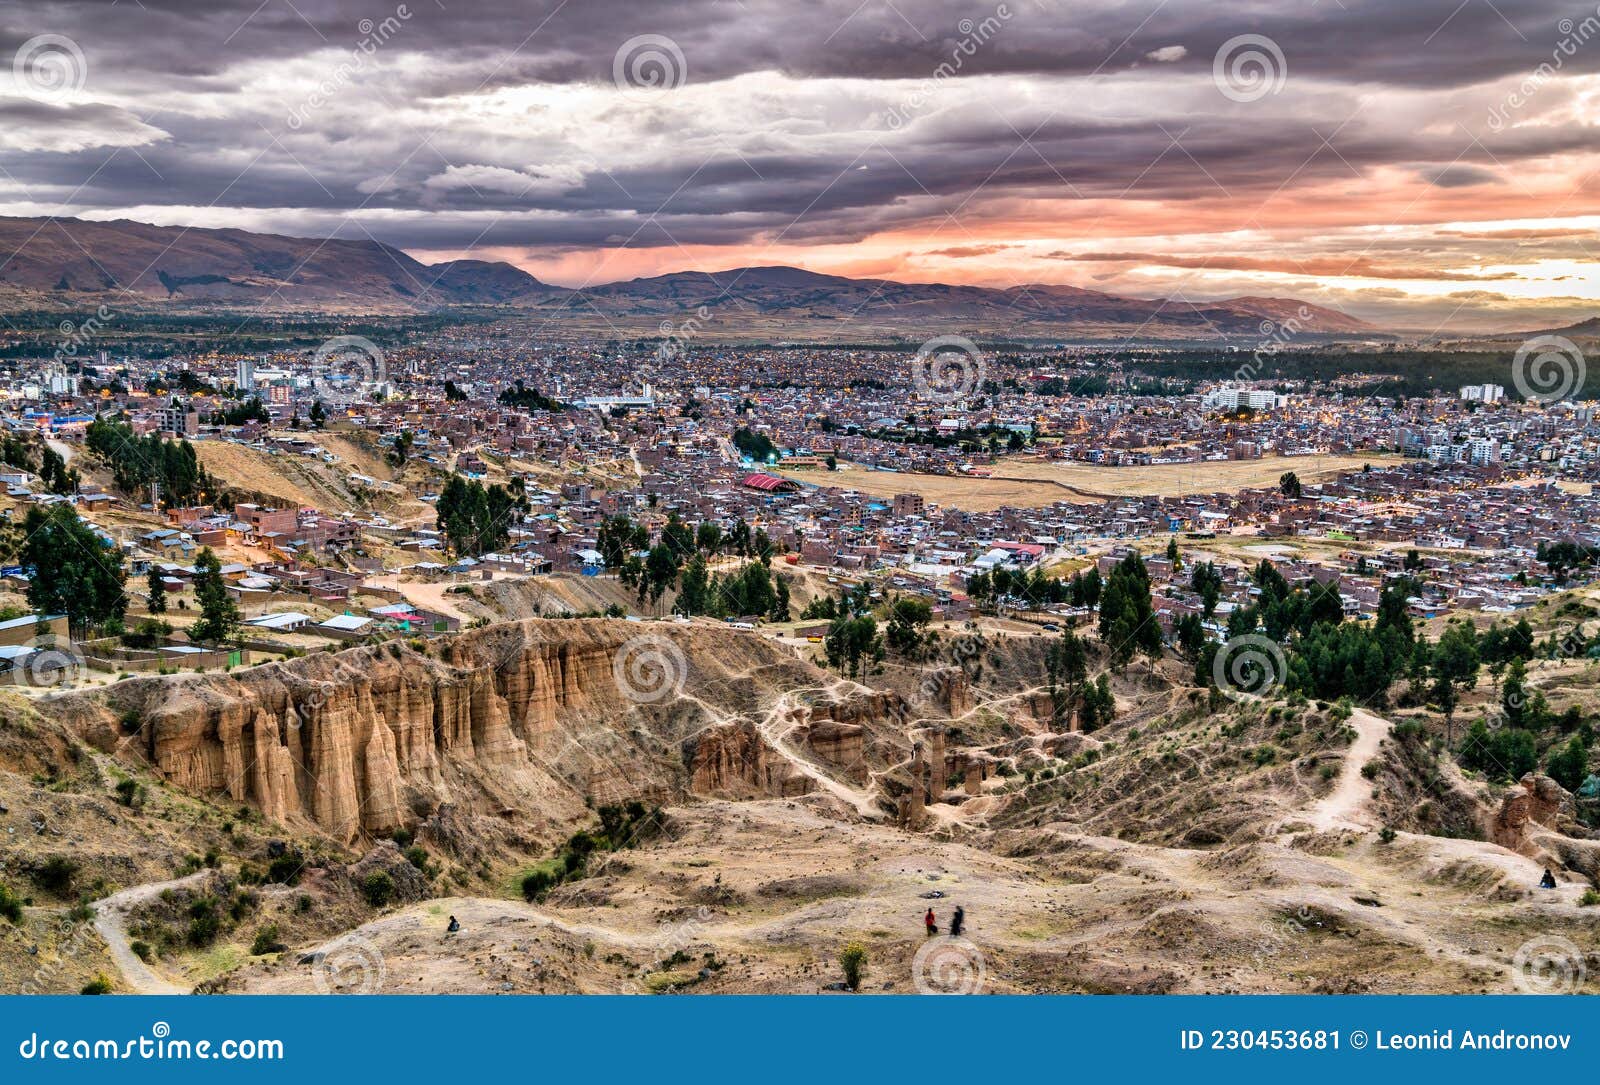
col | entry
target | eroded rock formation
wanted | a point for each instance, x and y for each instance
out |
(735, 762)
(526, 720)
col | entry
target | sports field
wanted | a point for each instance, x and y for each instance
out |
(1030, 482)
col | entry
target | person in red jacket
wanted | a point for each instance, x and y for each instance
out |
(931, 923)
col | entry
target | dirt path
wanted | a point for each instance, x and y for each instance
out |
(110, 922)
(781, 721)
(1346, 803)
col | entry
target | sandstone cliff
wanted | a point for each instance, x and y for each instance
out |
(522, 722)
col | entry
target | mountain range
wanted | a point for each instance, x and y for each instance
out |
(65, 263)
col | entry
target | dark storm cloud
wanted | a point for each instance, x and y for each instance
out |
(1432, 43)
(184, 133)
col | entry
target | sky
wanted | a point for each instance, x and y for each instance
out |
(1429, 165)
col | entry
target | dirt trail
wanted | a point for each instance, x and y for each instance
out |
(1346, 803)
(778, 738)
(110, 922)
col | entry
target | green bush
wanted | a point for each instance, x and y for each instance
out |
(141, 950)
(853, 959)
(56, 875)
(1407, 730)
(10, 905)
(266, 941)
(417, 857)
(285, 869)
(97, 986)
(1386, 835)
(1589, 899)
(378, 888)
(536, 885)
(127, 791)
(204, 926)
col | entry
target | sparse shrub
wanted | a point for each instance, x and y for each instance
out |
(1328, 772)
(243, 905)
(378, 888)
(285, 869)
(1371, 769)
(536, 885)
(853, 959)
(10, 905)
(1264, 755)
(302, 904)
(203, 929)
(1386, 835)
(417, 857)
(56, 875)
(97, 986)
(1407, 731)
(266, 941)
(1589, 899)
(127, 791)
(141, 950)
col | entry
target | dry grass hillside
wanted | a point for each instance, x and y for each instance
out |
(695, 807)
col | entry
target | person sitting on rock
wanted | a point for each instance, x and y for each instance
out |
(1548, 881)
(931, 923)
(454, 926)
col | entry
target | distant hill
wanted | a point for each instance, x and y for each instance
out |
(795, 294)
(67, 263)
(1583, 329)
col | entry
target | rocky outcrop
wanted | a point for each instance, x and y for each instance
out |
(950, 689)
(1535, 802)
(736, 762)
(520, 721)
(840, 746)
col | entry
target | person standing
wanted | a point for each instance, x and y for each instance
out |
(931, 923)
(956, 921)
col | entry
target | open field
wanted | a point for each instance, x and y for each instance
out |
(1030, 482)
